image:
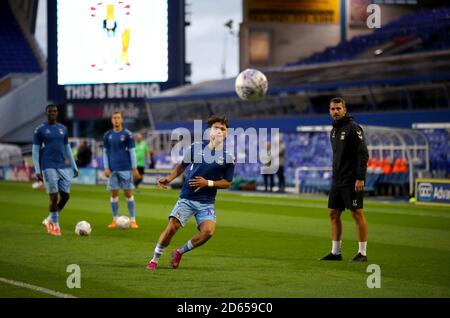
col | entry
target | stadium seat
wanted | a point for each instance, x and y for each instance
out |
(431, 27)
(16, 55)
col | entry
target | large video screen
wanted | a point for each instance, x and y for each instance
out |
(112, 41)
(114, 49)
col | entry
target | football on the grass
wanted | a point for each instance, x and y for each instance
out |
(83, 228)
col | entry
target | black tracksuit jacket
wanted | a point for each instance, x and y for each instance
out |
(350, 153)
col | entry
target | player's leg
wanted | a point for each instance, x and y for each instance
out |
(361, 224)
(171, 229)
(361, 230)
(126, 183)
(64, 188)
(51, 184)
(336, 230)
(53, 226)
(335, 206)
(113, 186)
(205, 216)
(336, 224)
(354, 202)
(63, 198)
(206, 231)
(131, 207)
(114, 202)
(179, 216)
(164, 240)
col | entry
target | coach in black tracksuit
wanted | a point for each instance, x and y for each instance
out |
(350, 157)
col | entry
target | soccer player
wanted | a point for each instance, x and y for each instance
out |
(211, 167)
(142, 155)
(50, 144)
(119, 161)
(350, 158)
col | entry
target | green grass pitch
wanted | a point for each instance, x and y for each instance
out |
(263, 247)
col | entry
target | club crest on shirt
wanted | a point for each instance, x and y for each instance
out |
(61, 131)
(343, 135)
(47, 131)
(122, 138)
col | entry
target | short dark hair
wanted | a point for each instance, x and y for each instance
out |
(117, 112)
(338, 100)
(51, 106)
(217, 119)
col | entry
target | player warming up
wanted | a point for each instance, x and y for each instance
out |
(350, 158)
(50, 144)
(210, 167)
(119, 161)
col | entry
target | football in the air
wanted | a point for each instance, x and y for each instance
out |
(251, 85)
(83, 228)
(123, 222)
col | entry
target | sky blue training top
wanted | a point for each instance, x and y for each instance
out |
(52, 140)
(209, 164)
(118, 146)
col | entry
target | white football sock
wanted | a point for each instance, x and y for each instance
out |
(336, 247)
(362, 248)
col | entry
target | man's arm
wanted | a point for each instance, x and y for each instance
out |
(69, 155)
(178, 170)
(201, 182)
(224, 183)
(37, 166)
(362, 156)
(134, 170)
(106, 162)
(37, 142)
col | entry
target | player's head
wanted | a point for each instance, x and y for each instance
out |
(51, 110)
(219, 126)
(338, 109)
(138, 137)
(117, 120)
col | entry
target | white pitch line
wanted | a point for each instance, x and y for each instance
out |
(36, 288)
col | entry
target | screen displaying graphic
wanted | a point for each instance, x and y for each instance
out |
(112, 41)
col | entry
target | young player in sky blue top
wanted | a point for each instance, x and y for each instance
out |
(209, 166)
(50, 144)
(119, 160)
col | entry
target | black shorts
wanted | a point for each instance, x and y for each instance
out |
(342, 198)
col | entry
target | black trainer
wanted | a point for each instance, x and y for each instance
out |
(359, 258)
(332, 257)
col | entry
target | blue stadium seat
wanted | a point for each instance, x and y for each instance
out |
(16, 55)
(432, 26)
